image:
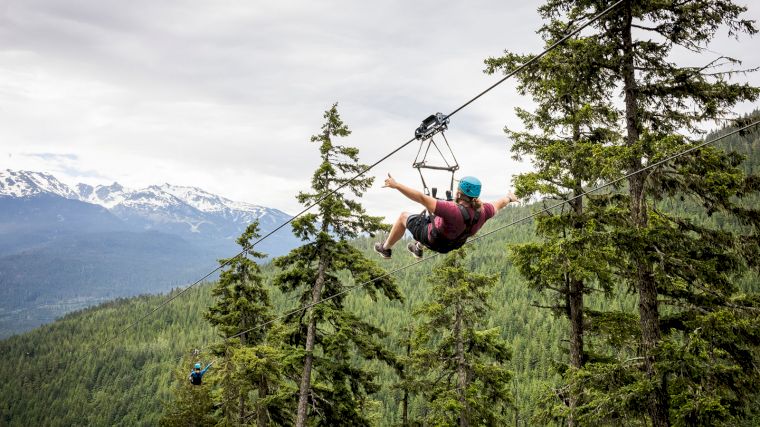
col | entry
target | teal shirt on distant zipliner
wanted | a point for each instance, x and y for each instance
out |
(196, 377)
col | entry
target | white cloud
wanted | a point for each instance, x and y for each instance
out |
(225, 95)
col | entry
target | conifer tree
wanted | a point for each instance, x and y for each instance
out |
(662, 98)
(665, 258)
(330, 337)
(403, 368)
(262, 370)
(459, 366)
(191, 405)
(566, 138)
(242, 303)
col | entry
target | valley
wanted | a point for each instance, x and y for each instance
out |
(63, 248)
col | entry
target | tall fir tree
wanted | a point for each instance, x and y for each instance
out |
(249, 363)
(458, 366)
(567, 138)
(331, 338)
(668, 259)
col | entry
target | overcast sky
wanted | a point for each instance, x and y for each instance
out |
(224, 95)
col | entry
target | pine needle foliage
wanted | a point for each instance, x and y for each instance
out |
(191, 405)
(458, 366)
(685, 273)
(330, 338)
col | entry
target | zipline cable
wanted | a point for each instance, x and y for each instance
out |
(585, 193)
(358, 175)
(229, 260)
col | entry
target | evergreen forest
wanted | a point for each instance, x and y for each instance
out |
(56, 376)
(633, 305)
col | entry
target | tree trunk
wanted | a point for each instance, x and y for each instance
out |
(262, 420)
(576, 338)
(229, 390)
(241, 408)
(311, 332)
(405, 409)
(648, 306)
(405, 399)
(575, 313)
(241, 396)
(464, 417)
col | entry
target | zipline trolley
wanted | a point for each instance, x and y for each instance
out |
(446, 161)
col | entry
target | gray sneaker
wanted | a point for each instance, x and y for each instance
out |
(379, 248)
(416, 249)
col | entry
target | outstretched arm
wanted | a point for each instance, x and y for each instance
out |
(504, 201)
(413, 195)
(206, 369)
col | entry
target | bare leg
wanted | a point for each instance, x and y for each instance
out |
(397, 231)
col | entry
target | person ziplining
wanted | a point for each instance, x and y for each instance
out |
(445, 225)
(196, 375)
(451, 222)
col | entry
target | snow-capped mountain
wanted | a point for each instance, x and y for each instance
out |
(226, 208)
(169, 203)
(27, 183)
(175, 209)
(103, 195)
(207, 202)
(87, 244)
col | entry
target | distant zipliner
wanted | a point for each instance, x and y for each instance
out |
(445, 225)
(196, 375)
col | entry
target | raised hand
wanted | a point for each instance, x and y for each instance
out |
(390, 182)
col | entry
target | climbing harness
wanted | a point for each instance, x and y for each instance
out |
(437, 124)
(432, 126)
(439, 243)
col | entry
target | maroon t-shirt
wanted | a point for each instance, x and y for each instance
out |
(448, 220)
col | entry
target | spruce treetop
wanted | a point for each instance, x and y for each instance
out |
(343, 217)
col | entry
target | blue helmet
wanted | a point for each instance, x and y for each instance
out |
(470, 186)
(197, 366)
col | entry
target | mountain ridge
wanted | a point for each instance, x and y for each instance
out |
(23, 183)
(56, 239)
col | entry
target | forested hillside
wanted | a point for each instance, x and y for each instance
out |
(66, 248)
(55, 375)
(58, 376)
(627, 294)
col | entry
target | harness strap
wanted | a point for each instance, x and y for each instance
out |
(442, 245)
(468, 222)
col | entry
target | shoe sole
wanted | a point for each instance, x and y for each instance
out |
(414, 254)
(382, 255)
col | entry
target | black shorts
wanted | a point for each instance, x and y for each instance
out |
(418, 225)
